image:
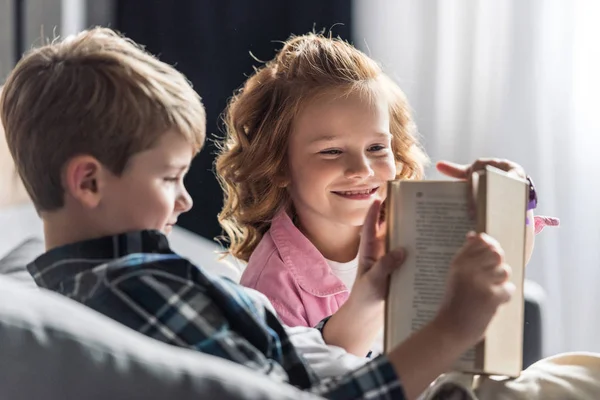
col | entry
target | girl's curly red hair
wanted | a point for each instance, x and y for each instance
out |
(259, 119)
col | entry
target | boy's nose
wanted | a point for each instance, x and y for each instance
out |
(184, 202)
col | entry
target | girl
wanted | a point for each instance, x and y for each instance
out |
(312, 139)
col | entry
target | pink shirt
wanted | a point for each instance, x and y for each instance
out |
(295, 277)
(288, 269)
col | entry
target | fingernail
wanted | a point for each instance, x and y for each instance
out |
(510, 287)
(471, 234)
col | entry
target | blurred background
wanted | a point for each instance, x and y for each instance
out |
(517, 79)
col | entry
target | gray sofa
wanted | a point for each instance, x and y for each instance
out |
(54, 348)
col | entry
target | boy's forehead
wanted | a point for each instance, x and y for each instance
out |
(171, 149)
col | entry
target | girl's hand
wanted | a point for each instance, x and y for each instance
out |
(358, 321)
(460, 171)
(374, 265)
(465, 172)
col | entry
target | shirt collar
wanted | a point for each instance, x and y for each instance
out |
(305, 262)
(76, 257)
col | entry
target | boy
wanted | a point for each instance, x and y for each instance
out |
(102, 134)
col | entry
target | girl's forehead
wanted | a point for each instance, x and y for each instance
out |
(327, 104)
(365, 94)
(339, 117)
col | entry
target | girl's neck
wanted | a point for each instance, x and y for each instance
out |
(336, 242)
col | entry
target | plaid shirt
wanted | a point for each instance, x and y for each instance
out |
(137, 280)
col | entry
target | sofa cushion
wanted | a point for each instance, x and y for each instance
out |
(54, 348)
(17, 224)
(14, 263)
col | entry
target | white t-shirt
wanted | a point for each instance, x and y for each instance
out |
(346, 272)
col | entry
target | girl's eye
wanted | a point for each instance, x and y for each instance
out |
(171, 179)
(377, 147)
(331, 152)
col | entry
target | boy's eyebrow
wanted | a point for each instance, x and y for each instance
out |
(178, 167)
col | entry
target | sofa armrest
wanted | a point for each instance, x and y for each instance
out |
(533, 338)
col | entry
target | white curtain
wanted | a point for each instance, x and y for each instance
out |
(517, 79)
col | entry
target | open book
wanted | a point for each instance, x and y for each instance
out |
(430, 220)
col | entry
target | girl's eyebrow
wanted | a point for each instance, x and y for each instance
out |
(328, 138)
(331, 138)
(383, 134)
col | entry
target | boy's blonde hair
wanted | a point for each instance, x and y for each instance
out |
(95, 93)
(259, 120)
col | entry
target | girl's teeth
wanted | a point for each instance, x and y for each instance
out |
(358, 192)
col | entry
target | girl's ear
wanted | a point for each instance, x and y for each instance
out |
(282, 179)
(282, 182)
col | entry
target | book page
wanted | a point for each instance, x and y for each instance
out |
(431, 227)
(505, 222)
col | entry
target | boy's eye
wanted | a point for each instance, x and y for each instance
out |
(331, 152)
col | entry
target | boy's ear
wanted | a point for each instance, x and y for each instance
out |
(82, 180)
